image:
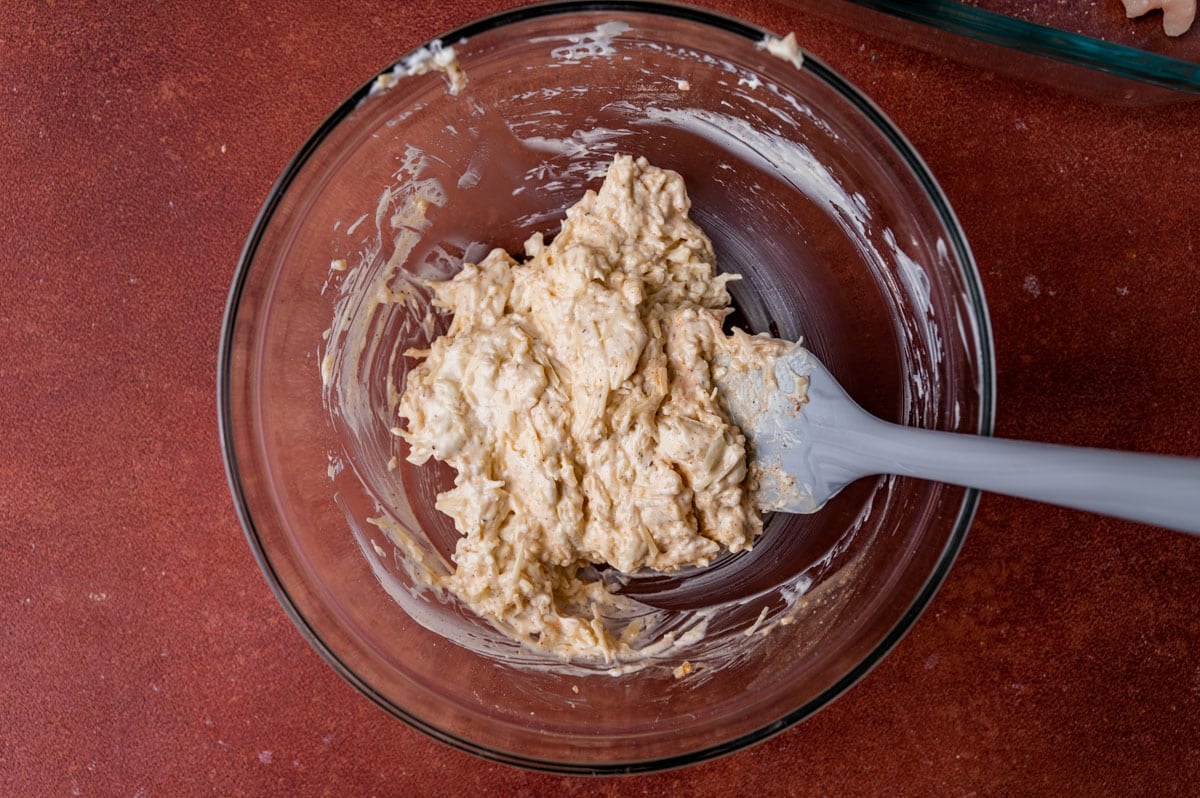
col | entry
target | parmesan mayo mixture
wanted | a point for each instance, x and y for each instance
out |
(574, 394)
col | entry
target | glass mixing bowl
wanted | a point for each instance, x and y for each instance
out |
(808, 191)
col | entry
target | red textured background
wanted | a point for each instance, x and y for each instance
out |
(143, 653)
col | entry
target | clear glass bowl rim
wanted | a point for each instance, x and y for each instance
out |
(985, 360)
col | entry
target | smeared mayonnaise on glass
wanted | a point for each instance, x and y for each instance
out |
(432, 58)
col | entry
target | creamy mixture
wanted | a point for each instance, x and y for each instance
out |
(574, 394)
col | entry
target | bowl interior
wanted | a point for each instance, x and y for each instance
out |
(806, 190)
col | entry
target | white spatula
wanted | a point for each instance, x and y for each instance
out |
(810, 439)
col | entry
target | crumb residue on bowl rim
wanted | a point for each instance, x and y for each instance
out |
(433, 57)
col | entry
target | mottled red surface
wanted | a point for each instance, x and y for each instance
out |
(143, 652)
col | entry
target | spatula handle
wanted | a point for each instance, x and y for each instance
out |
(1154, 489)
